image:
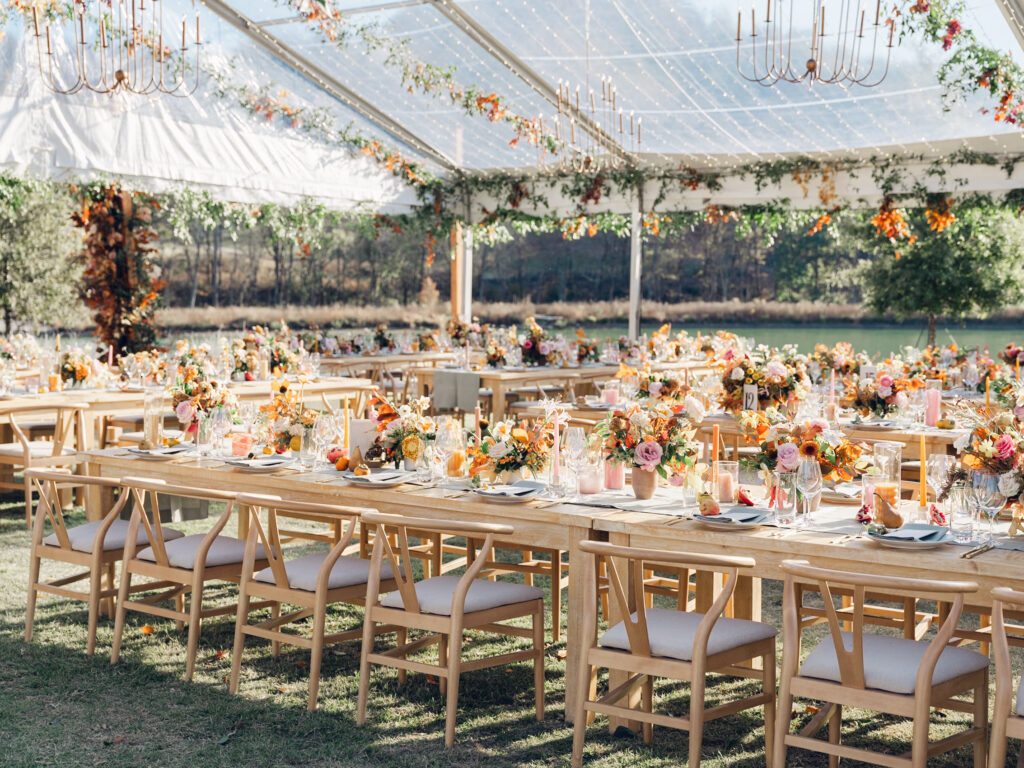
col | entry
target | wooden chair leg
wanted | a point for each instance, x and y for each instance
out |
(119, 611)
(179, 606)
(579, 723)
(402, 639)
(442, 659)
(95, 587)
(109, 583)
(527, 556)
(437, 555)
(316, 655)
(783, 716)
(194, 627)
(275, 645)
(33, 595)
(835, 732)
(364, 669)
(538, 662)
(241, 619)
(768, 686)
(919, 748)
(28, 505)
(647, 705)
(981, 721)
(454, 669)
(697, 684)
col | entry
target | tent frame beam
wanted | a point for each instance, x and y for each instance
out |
(325, 81)
(482, 37)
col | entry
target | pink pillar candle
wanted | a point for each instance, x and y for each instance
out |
(614, 475)
(241, 444)
(610, 395)
(726, 489)
(933, 406)
(555, 458)
(591, 480)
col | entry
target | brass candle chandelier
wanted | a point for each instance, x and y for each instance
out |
(594, 127)
(846, 45)
(120, 48)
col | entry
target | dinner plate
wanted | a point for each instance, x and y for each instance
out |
(162, 454)
(260, 465)
(831, 497)
(724, 522)
(886, 540)
(516, 493)
(378, 478)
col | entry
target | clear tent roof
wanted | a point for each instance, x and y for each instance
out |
(673, 62)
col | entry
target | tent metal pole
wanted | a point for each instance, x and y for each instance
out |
(636, 254)
(467, 274)
(323, 80)
(457, 250)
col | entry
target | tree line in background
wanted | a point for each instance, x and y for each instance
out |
(967, 261)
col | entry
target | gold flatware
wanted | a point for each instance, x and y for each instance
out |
(971, 554)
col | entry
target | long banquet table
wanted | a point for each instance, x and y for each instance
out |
(562, 525)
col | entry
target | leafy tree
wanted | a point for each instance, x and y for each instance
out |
(973, 266)
(37, 284)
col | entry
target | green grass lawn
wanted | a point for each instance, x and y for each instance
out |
(60, 708)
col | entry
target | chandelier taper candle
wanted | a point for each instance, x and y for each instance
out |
(846, 45)
(124, 51)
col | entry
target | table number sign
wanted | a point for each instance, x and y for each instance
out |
(750, 397)
(868, 372)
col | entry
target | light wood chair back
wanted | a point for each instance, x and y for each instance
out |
(632, 671)
(852, 690)
(49, 485)
(444, 630)
(173, 581)
(1007, 722)
(341, 519)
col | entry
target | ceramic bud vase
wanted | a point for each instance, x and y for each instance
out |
(644, 483)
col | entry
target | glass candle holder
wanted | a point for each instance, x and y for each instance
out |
(725, 480)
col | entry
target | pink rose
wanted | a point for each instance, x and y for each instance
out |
(885, 392)
(776, 370)
(654, 388)
(885, 380)
(729, 354)
(185, 411)
(544, 348)
(902, 400)
(527, 344)
(1005, 447)
(788, 457)
(677, 481)
(647, 455)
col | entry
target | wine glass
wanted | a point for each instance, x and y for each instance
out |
(314, 366)
(808, 482)
(324, 430)
(447, 444)
(220, 425)
(988, 500)
(630, 386)
(937, 470)
(576, 454)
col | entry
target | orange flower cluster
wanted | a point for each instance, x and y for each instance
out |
(890, 223)
(652, 222)
(939, 215)
(491, 106)
(717, 214)
(574, 228)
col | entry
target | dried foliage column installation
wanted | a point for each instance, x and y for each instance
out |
(118, 282)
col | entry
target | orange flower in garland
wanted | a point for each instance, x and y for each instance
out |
(939, 214)
(716, 214)
(890, 223)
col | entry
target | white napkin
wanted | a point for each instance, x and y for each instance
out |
(739, 515)
(374, 477)
(918, 532)
(507, 490)
(170, 450)
(263, 461)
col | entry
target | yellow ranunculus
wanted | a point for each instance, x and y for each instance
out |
(411, 447)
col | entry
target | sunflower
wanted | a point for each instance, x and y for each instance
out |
(809, 450)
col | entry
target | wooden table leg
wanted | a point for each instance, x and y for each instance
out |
(498, 400)
(617, 677)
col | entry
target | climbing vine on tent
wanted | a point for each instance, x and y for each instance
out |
(118, 282)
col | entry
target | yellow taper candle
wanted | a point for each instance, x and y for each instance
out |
(987, 393)
(347, 440)
(922, 478)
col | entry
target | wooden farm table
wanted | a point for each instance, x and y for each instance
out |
(501, 380)
(103, 402)
(558, 526)
(377, 364)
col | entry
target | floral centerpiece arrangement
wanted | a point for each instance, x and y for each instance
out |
(76, 367)
(629, 350)
(245, 355)
(192, 394)
(587, 350)
(23, 348)
(288, 419)
(1011, 354)
(776, 382)
(995, 444)
(882, 396)
(508, 448)
(841, 358)
(781, 445)
(650, 438)
(147, 364)
(537, 348)
(460, 331)
(428, 342)
(403, 432)
(382, 339)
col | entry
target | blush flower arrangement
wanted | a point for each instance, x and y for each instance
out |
(537, 348)
(403, 431)
(882, 396)
(511, 447)
(782, 445)
(995, 444)
(776, 382)
(654, 437)
(76, 367)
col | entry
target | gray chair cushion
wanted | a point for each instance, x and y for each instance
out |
(435, 595)
(38, 449)
(890, 663)
(302, 572)
(81, 536)
(671, 634)
(181, 553)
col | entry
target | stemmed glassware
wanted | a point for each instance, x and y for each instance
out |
(937, 470)
(324, 430)
(220, 425)
(808, 482)
(314, 366)
(576, 454)
(988, 500)
(447, 444)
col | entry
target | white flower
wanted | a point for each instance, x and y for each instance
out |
(295, 430)
(498, 451)
(1010, 483)
(737, 374)
(640, 420)
(961, 443)
(776, 369)
(833, 437)
(694, 409)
